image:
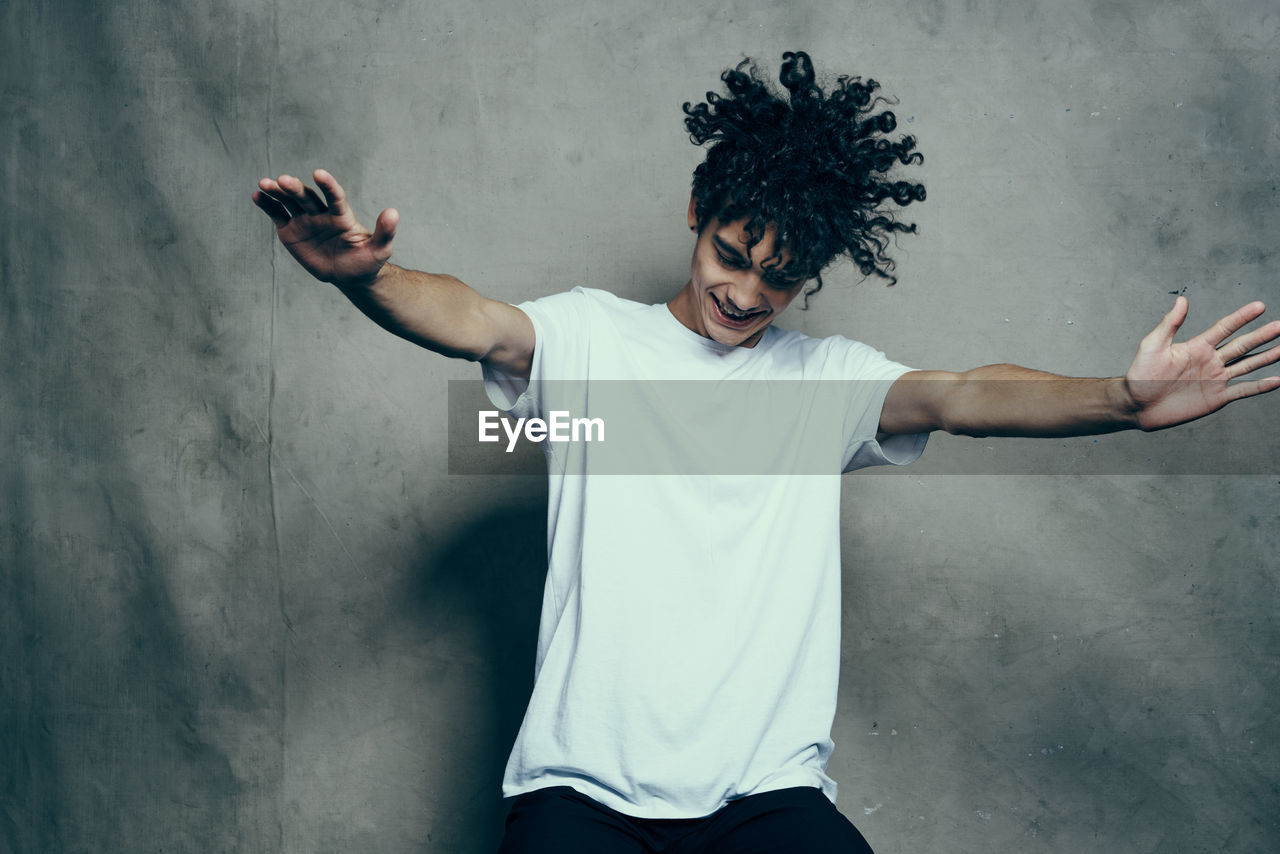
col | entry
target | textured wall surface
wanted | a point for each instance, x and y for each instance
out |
(244, 606)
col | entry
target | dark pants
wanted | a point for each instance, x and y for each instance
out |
(559, 820)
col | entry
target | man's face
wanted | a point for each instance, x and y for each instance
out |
(735, 290)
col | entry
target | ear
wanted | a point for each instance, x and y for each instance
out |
(693, 213)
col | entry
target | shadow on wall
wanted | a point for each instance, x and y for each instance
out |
(487, 579)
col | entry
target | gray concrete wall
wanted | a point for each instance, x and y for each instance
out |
(244, 606)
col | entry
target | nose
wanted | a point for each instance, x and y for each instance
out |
(744, 293)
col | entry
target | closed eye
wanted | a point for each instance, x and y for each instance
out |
(728, 255)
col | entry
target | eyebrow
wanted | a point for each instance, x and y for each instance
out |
(774, 273)
(727, 248)
(784, 282)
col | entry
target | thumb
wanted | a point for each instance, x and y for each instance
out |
(384, 230)
(1170, 323)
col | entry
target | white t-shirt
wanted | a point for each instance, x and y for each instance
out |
(689, 645)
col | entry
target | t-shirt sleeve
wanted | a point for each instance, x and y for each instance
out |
(559, 353)
(869, 375)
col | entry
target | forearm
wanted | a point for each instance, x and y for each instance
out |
(1007, 400)
(1166, 384)
(437, 312)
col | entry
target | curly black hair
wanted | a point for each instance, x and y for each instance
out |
(812, 165)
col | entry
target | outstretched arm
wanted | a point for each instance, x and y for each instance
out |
(1166, 384)
(435, 311)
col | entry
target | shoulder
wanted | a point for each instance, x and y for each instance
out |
(834, 357)
(609, 302)
(586, 314)
(800, 345)
(580, 299)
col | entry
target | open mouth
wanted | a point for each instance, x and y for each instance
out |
(735, 319)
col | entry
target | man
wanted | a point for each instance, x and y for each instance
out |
(689, 645)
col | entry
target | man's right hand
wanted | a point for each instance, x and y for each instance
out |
(323, 234)
(430, 309)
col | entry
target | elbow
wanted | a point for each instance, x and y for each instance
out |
(949, 404)
(961, 427)
(477, 340)
(961, 409)
(969, 431)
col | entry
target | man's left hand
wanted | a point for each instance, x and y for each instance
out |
(1172, 383)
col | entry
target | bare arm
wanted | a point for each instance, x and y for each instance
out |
(444, 315)
(1005, 400)
(1167, 384)
(434, 311)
